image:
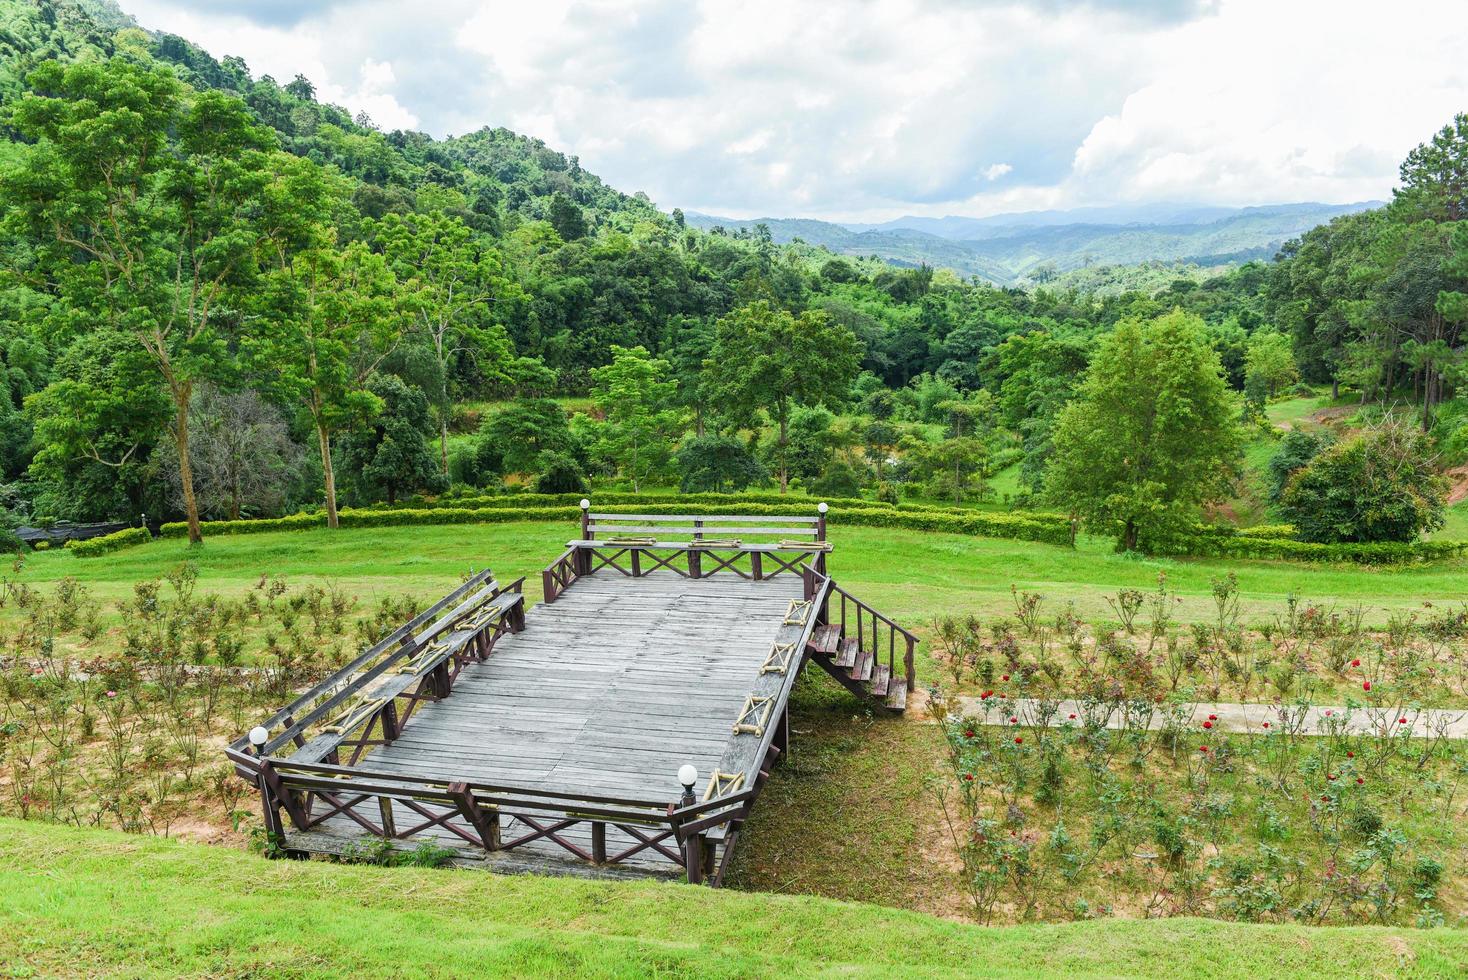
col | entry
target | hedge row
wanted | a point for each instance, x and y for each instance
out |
(108, 543)
(1367, 553)
(1017, 526)
(806, 504)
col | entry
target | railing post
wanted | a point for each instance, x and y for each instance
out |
(486, 825)
(907, 662)
(695, 563)
(582, 555)
(821, 509)
(637, 563)
(756, 566)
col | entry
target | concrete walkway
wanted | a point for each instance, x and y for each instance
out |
(1257, 719)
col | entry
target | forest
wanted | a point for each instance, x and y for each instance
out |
(223, 299)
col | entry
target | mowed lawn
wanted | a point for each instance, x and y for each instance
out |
(910, 575)
(85, 902)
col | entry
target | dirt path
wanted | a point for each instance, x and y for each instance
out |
(1255, 719)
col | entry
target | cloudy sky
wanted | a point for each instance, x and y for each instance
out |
(869, 109)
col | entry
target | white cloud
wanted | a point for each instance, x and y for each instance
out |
(868, 110)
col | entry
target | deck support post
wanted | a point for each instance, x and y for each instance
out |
(695, 563)
(282, 796)
(637, 563)
(486, 825)
(270, 811)
(756, 566)
(389, 824)
(599, 841)
(389, 716)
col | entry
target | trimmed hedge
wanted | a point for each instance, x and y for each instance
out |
(807, 504)
(1360, 553)
(108, 543)
(1021, 527)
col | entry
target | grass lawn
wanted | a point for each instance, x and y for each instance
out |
(81, 902)
(910, 575)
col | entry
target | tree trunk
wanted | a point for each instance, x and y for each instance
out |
(784, 463)
(328, 473)
(185, 466)
(1129, 537)
(1335, 388)
(443, 440)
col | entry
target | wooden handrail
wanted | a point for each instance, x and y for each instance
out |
(378, 649)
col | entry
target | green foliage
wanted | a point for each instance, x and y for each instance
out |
(521, 434)
(718, 464)
(765, 358)
(1295, 451)
(108, 543)
(1152, 434)
(639, 427)
(1378, 486)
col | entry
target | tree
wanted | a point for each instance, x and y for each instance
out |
(1435, 174)
(145, 200)
(1152, 433)
(718, 464)
(1269, 364)
(450, 278)
(566, 218)
(767, 359)
(331, 319)
(1378, 486)
(640, 423)
(391, 456)
(1295, 452)
(244, 459)
(525, 431)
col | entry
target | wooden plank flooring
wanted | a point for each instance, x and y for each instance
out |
(609, 690)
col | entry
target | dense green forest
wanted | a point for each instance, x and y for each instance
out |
(223, 298)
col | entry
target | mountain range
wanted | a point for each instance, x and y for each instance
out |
(1027, 247)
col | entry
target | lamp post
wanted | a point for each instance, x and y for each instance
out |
(693, 843)
(258, 737)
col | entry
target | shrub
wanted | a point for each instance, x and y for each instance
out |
(1379, 486)
(109, 543)
(560, 475)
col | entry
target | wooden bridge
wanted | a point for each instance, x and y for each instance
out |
(552, 740)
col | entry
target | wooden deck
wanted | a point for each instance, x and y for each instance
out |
(550, 740)
(608, 691)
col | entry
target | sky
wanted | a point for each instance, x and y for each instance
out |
(865, 110)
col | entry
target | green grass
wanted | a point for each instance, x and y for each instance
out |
(81, 902)
(1456, 526)
(910, 575)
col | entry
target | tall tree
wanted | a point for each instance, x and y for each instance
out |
(451, 278)
(765, 358)
(331, 318)
(1152, 433)
(145, 200)
(640, 425)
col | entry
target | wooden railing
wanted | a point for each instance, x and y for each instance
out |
(873, 630)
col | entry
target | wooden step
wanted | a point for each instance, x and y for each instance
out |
(824, 639)
(846, 654)
(863, 669)
(881, 678)
(897, 694)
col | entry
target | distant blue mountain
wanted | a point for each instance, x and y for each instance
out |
(1006, 248)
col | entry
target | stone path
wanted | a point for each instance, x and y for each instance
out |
(1251, 718)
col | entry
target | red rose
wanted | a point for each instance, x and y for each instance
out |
(1350, 755)
(968, 776)
(1014, 721)
(1072, 716)
(986, 695)
(1005, 677)
(1365, 685)
(969, 733)
(1212, 717)
(1207, 724)
(1401, 721)
(1356, 662)
(1019, 740)
(1360, 781)
(1202, 748)
(1266, 724)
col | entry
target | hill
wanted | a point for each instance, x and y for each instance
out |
(1011, 249)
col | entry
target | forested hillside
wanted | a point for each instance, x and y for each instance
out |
(223, 298)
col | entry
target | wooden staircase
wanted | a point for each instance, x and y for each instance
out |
(866, 652)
